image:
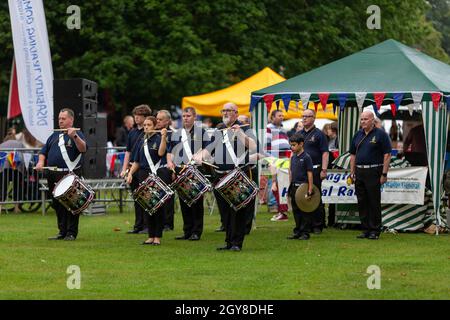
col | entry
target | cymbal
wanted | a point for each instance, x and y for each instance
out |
(307, 205)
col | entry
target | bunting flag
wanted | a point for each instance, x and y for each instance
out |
(316, 105)
(417, 98)
(447, 101)
(296, 105)
(278, 104)
(268, 99)
(398, 97)
(375, 110)
(305, 99)
(334, 108)
(121, 157)
(112, 162)
(323, 97)
(394, 110)
(360, 97)
(27, 158)
(342, 97)
(379, 97)
(436, 98)
(11, 158)
(286, 100)
(3, 156)
(253, 102)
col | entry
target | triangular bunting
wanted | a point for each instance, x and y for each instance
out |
(305, 99)
(342, 97)
(253, 102)
(268, 99)
(3, 156)
(394, 110)
(286, 100)
(323, 97)
(360, 97)
(334, 108)
(379, 97)
(436, 97)
(27, 158)
(316, 105)
(447, 101)
(398, 97)
(278, 104)
(417, 98)
(375, 109)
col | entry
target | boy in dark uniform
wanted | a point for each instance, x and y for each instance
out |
(300, 171)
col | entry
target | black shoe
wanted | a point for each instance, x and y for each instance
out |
(363, 236)
(317, 231)
(69, 238)
(304, 237)
(194, 237)
(183, 237)
(135, 231)
(220, 229)
(235, 248)
(57, 237)
(145, 231)
(227, 247)
(293, 237)
(373, 236)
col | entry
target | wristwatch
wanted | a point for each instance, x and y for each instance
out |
(384, 175)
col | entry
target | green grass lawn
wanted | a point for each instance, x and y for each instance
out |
(115, 265)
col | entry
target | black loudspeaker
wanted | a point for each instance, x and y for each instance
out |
(95, 131)
(94, 166)
(80, 95)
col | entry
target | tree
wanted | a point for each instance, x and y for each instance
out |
(156, 52)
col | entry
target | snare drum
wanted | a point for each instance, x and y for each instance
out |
(73, 193)
(190, 185)
(152, 193)
(237, 189)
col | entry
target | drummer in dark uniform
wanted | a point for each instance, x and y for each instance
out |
(63, 151)
(231, 145)
(316, 145)
(146, 158)
(184, 144)
(134, 136)
(370, 157)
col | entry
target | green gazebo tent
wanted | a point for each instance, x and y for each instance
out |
(388, 73)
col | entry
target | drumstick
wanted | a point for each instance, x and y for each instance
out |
(49, 168)
(65, 129)
(244, 125)
(210, 164)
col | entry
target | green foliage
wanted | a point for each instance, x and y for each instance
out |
(440, 17)
(156, 52)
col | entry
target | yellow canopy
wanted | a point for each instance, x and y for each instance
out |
(210, 104)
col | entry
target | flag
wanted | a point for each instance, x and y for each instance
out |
(447, 99)
(121, 157)
(360, 97)
(342, 97)
(379, 97)
(268, 99)
(11, 160)
(305, 99)
(253, 102)
(436, 97)
(323, 97)
(13, 98)
(286, 100)
(112, 162)
(3, 156)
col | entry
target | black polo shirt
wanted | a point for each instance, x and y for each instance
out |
(300, 165)
(134, 136)
(53, 154)
(196, 142)
(370, 149)
(218, 148)
(316, 144)
(153, 146)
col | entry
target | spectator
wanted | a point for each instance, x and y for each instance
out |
(297, 127)
(28, 140)
(122, 132)
(207, 123)
(244, 119)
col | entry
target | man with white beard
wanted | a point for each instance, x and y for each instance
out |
(231, 141)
